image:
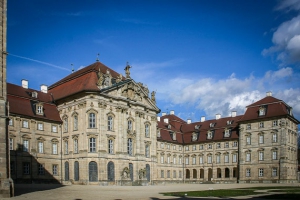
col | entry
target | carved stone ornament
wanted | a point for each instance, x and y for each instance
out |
(153, 96)
(142, 174)
(125, 173)
(119, 78)
(131, 133)
(132, 92)
(194, 136)
(127, 70)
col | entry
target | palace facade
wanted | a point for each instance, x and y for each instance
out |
(97, 126)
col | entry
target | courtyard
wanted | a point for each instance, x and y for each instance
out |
(89, 192)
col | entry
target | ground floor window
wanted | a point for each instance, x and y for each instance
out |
(260, 172)
(55, 170)
(248, 172)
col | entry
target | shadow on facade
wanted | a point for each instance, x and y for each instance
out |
(32, 173)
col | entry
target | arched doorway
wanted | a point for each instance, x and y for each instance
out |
(67, 171)
(148, 172)
(201, 173)
(194, 173)
(227, 173)
(131, 171)
(187, 174)
(219, 173)
(209, 174)
(110, 171)
(76, 171)
(93, 172)
(234, 174)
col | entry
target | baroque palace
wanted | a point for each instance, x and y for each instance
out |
(97, 126)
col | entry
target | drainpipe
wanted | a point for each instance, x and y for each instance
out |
(61, 163)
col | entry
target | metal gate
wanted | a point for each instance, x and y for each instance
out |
(131, 171)
(76, 171)
(148, 172)
(110, 171)
(66, 171)
(93, 172)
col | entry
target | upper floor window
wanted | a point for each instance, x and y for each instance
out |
(54, 128)
(226, 145)
(11, 144)
(162, 145)
(147, 130)
(275, 123)
(92, 144)
(209, 146)
(129, 147)
(235, 144)
(54, 148)
(274, 155)
(41, 147)
(248, 157)
(187, 148)
(25, 145)
(39, 109)
(226, 158)
(201, 146)
(40, 126)
(209, 159)
(92, 120)
(218, 158)
(260, 155)
(218, 145)
(227, 133)
(147, 150)
(110, 146)
(274, 137)
(25, 124)
(66, 147)
(11, 122)
(75, 122)
(261, 139)
(110, 123)
(65, 124)
(262, 111)
(129, 125)
(248, 139)
(75, 145)
(194, 147)
(248, 127)
(261, 124)
(234, 158)
(210, 135)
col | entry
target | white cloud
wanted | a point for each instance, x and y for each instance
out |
(288, 5)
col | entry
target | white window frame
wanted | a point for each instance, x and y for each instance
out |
(201, 159)
(40, 126)
(274, 137)
(248, 172)
(76, 145)
(66, 144)
(25, 124)
(26, 145)
(11, 144)
(234, 158)
(209, 159)
(260, 155)
(218, 158)
(226, 158)
(54, 148)
(92, 120)
(92, 145)
(194, 160)
(248, 157)
(54, 128)
(261, 139)
(110, 146)
(274, 155)
(147, 151)
(41, 147)
(55, 170)
(274, 171)
(130, 146)
(248, 140)
(147, 130)
(260, 172)
(110, 123)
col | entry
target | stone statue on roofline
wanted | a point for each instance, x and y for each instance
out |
(100, 78)
(119, 78)
(107, 79)
(127, 70)
(153, 96)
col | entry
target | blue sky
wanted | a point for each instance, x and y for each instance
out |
(202, 57)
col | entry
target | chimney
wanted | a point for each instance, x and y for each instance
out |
(172, 112)
(233, 113)
(218, 116)
(189, 121)
(24, 84)
(269, 94)
(158, 119)
(163, 114)
(166, 120)
(44, 88)
(202, 119)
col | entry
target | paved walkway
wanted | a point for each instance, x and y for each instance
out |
(92, 192)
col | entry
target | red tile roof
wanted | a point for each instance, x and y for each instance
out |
(82, 80)
(22, 103)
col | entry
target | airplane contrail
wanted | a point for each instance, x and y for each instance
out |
(38, 61)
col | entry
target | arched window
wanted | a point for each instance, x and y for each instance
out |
(110, 171)
(76, 171)
(110, 123)
(187, 173)
(92, 144)
(129, 125)
(93, 172)
(92, 120)
(66, 171)
(110, 146)
(129, 147)
(147, 130)
(219, 173)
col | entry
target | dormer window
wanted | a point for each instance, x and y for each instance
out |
(169, 126)
(229, 122)
(262, 111)
(197, 127)
(39, 109)
(34, 94)
(210, 134)
(194, 137)
(173, 135)
(227, 133)
(212, 125)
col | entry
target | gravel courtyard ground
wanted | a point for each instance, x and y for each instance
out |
(92, 192)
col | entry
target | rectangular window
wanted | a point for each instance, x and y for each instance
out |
(41, 169)
(261, 139)
(209, 159)
(194, 147)
(40, 109)
(111, 148)
(174, 147)
(261, 155)
(75, 123)
(66, 147)
(54, 128)
(180, 174)
(187, 160)
(161, 158)
(54, 148)
(187, 148)
(10, 122)
(234, 158)
(174, 160)
(168, 174)
(162, 174)
(75, 145)
(180, 160)
(11, 144)
(129, 147)
(226, 145)
(25, 124)
(25, 145)
(92, 120)
(26, 168)
(226, 158)
(168, 159)
(12, 167)
(110, 123)
(40, 126)
(55, 170)
(248, 127)
(201, 146)
(41, 147)
(218, 145)
(274, 171)
(201, 159)
(209, 146)
(129, 125)
(92, 145)
(235, 144)
(168, 146)
(180, 148)
(274, 137)
(218, 159)
(194, 160)
(275, 123)
(260, 172)
(162, 145)
(248, 157)
(248, 140)
(261, 124)
(174, 174)
(248, 172)
(274, 155)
